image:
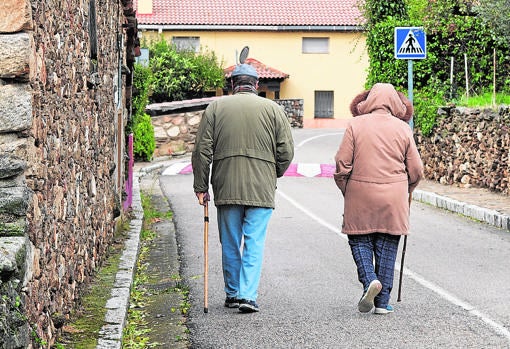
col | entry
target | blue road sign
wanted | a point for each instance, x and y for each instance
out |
(410, 43)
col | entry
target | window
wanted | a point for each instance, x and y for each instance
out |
(93, 80)
(92, 30)
(185, 43)
(143, 59)
(315, 45)
(323, 104)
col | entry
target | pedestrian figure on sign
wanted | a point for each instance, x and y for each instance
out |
(248, 140)
(377, 168)
(410, 44)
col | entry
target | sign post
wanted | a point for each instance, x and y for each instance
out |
(410, 44)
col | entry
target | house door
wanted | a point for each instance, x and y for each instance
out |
(323, 104)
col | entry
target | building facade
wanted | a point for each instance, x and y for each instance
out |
(320, 45)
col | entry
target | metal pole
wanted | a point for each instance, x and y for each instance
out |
(410, 95)
(411, 124)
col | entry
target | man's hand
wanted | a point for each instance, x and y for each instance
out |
(202, 198)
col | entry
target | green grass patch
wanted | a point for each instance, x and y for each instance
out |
(136, 334)
(484, 100)
(82, 331)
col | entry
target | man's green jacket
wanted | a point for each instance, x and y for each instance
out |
(249, 142)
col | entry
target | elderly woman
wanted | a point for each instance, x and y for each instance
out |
(377, 168)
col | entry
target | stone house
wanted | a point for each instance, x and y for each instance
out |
(65, 91)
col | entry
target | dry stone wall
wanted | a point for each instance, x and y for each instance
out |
(175, 127)
(62, 120)
(469, 147)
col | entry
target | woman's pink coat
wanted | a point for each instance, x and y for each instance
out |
(378, 166)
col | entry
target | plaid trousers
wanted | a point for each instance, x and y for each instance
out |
(375, 255)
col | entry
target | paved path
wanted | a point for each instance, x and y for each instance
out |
(480, 204)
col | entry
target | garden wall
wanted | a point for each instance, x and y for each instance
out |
(176, 123)
(469, 147)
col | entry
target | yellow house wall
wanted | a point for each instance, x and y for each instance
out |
(342, 70)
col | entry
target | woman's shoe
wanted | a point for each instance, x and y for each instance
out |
(384, 311)
(366, 303)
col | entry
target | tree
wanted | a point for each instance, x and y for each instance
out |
(381, 17)
(180, 74)
(496, 14)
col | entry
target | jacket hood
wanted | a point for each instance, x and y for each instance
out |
(383, 96)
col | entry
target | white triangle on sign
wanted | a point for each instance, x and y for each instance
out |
(410, 45)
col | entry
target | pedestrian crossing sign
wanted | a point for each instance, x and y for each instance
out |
(410, 43)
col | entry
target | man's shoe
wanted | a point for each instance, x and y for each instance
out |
(231, 302)
(246, 306)
(384, 311)
(366, 303)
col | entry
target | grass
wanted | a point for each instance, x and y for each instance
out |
(137, 332)
(82, 331)
(484, 100)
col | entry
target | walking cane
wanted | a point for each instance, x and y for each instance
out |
(403, 256)
(206, 254)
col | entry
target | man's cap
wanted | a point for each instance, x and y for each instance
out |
(245, 69)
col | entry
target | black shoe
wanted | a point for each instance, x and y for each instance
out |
(246, 306)
(231, 302)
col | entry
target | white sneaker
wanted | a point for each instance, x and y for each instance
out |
(366, 303)
(384, 311)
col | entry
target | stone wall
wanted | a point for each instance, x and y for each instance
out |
(469, 147)
(294, 109)
(62, 117)
(176, 123)
(175, 133)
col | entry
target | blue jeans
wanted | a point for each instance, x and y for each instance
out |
(375, 255)
(242, 235)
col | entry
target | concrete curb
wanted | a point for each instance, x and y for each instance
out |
(489, 216)
(110, 335)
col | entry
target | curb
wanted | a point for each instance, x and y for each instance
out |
(486, 215)
(110, 335)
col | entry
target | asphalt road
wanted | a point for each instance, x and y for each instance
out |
(456, 287)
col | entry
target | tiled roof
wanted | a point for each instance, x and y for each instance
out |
(252, 12)
(263, 70)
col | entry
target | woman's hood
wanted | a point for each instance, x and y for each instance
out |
(383, 96)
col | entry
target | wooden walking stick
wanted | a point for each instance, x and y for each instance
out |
(399, 298)
(206, 254)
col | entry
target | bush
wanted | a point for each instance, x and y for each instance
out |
(453, 30)
(143, 134)
(141, 125)
(180, 75)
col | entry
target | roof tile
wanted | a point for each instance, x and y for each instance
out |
(264, 71)
(253, 12)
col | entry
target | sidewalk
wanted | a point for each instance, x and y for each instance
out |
(479, 204)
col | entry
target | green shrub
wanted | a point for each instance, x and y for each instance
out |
(453, 29)
(180, 75)
(141, 125)
(143, 134)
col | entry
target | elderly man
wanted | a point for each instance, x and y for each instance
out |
(248, 140)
